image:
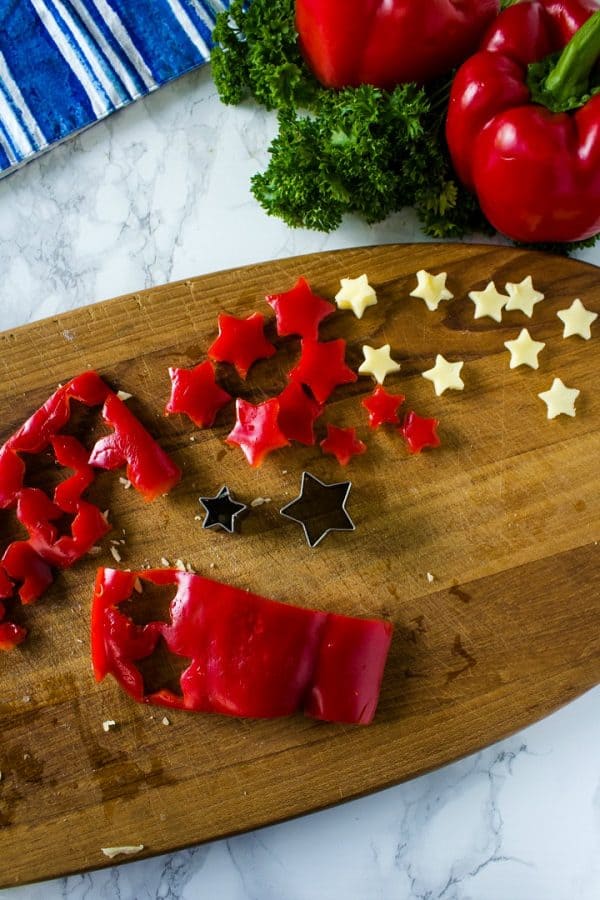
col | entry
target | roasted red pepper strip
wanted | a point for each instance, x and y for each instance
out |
(525, 135)
(387, 42)
(149, 469)
(249, 656)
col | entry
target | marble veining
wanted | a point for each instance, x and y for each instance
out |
(160, 192)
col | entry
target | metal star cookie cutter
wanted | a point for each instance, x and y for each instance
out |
(222, 510)
(319, 508)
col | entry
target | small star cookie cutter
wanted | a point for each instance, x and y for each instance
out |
(319, 508)
(222, 510)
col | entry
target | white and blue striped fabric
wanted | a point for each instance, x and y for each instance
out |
(65, 64)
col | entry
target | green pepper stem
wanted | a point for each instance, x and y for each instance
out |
(570, 77)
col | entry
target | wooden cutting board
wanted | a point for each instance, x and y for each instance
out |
(505, 516)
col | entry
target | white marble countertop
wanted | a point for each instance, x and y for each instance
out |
(160, 192)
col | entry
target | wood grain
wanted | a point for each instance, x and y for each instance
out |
(505, 515)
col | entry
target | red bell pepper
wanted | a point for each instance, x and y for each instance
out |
(342, 443)
(149, 469)
(249, 656)
(195, 393)
(388, 42)
(523, 124)
(257, 431)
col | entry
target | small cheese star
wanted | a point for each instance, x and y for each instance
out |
(445, 375)
(577, 320)
(560, 399)
(378, 363)
(488, 303)
(355, 294)
(524, 350)
(522, 296)
(432, 289)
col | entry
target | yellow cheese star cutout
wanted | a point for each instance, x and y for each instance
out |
(524, 350)
(378, 363)
(445, 375)
(577, 320)
(488, 303)
(522, 296)
(560, 399)
(355, 294)
(432, 289)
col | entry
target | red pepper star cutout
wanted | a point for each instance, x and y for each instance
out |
(343, 444)
(196, 394)
(322, 367)
(419, 432)
(297, 414)
(383, 407)
(256, 430)
(299, 311)
(241, 342)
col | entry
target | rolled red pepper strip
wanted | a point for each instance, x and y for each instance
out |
(388, 42)
(528, 150)
(148, 467)
(250, 656)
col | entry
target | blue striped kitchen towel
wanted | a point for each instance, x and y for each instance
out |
(65, 64)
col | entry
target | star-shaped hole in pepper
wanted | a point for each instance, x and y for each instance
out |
(299, 311)
(320, 508)
(322, 367)
(196, 394)
(256, 430)
(419, 432)
(343, 444)
(221, 510)
(241, 342)
(383, 407)
(298, 413)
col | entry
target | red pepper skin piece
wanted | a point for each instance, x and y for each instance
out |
(11, 635)
(349, 671)
(388, 42)
(196, 394)
(36, 512)
(149, 469)
(250, 656)
(322, 367)
(241, 342)
(22, 563)
(299, 311)
(536, 173)
(342, 443)
(297, 414)
(383, 407)
(419, 432)
(257, 430)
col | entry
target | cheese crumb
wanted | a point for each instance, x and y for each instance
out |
(180, 565)
(137, 586)
(429, 577)
(125, 482)
(116, 554)
(26, 698)
(165, 562)
(108, 724)
(165, 721)
(260, 500)
(123, 395)
(111, 852)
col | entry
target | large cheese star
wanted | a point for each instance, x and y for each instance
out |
(524, 350)
(432, 289)
(488, 303)
(522, 296)
(355, 294)
(577, 320)
(445, 375)
(378, 363)
(560, 399)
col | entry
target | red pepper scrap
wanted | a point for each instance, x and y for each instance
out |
(241, 342)
(299, 311)
(322, 367)
(249, 656)
(196, 394)
(383, 407)
(419, 432)
(256, 430)
(342, 443)
(149, 469)
(298, 413)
